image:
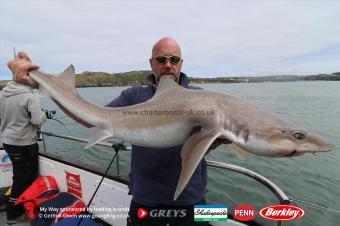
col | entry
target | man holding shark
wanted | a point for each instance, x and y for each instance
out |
(154, 171)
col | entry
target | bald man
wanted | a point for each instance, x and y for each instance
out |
(154, 172)
(166, 47)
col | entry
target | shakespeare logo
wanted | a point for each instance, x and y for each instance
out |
(210, 213)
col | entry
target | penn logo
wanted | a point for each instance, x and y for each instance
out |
(282, 212)
(244, 213)
(142, 213)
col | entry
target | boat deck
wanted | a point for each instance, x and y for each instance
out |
(3, 220)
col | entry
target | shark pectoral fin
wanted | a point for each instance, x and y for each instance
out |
(240, 152)
(192, 153)
(97, 136)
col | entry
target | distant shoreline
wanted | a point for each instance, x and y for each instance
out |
(102, 79)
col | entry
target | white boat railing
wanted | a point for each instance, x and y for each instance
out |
(281, 196)
(263, 180)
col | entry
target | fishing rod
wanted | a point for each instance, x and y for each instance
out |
(116, 147)
(49, 115)
(314, 205)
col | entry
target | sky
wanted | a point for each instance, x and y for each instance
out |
(217, 38)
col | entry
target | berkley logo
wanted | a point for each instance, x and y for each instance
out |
(282, 212)
(244, 213)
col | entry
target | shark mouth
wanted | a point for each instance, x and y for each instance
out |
(293, 153)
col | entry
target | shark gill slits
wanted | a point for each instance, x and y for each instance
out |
(299, 135)
(245, 135)
(237, 129)
(241, 132)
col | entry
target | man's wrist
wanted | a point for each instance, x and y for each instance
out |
(34, 85)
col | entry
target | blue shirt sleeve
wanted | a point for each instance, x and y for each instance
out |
(122, 100)
(131, 96)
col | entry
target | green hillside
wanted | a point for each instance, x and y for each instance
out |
(102, 79)
(3, 83)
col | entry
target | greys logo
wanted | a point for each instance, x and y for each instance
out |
(167, 213)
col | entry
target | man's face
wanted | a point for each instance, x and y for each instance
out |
(169, 67)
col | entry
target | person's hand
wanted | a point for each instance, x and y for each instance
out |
(20, 67)
(215, 144)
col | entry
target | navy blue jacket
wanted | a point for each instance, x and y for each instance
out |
(155, 172)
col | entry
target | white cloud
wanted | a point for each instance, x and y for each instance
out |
(217, 37)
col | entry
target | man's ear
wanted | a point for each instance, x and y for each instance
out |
(151, 64)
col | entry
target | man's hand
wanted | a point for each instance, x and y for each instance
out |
(20, 67)
(215, 144)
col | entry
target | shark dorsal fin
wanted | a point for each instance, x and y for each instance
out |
(68, 76)
(164, 84)
(67, 79)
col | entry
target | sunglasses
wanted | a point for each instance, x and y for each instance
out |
(163, 59)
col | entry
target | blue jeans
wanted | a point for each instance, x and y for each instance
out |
(25, 171)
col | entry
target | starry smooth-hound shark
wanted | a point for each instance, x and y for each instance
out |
(167, 119)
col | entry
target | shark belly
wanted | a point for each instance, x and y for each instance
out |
(157, 137)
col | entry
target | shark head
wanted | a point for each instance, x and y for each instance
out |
(285, 142)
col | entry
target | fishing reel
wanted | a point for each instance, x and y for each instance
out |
(49, 113)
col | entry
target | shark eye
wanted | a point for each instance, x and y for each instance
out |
(298, 135)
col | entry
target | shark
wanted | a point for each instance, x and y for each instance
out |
(168, 118)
